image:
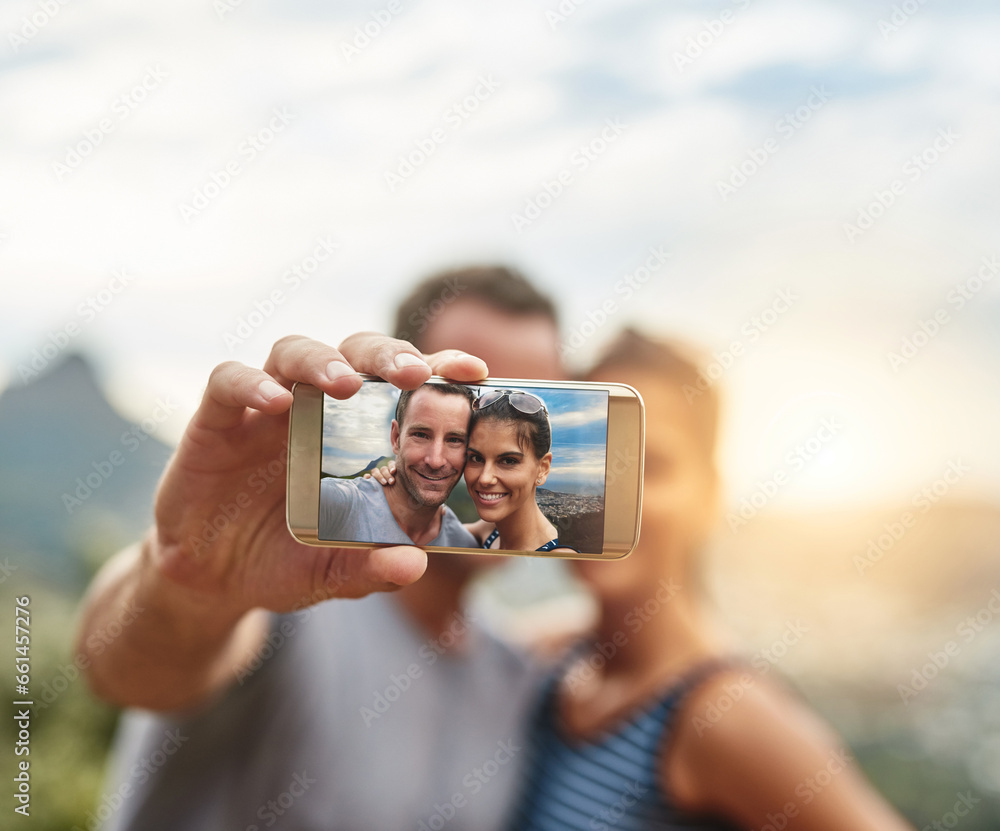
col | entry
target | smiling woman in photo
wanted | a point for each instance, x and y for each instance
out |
(509, 458)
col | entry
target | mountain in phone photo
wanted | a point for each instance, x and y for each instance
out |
(380, 461)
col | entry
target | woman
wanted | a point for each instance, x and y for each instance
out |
(508, 458)
(652, 724)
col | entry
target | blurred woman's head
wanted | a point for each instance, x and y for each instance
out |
(508, 456)
(680, 483)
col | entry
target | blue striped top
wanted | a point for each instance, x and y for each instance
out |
(547, 547)
(611, 782)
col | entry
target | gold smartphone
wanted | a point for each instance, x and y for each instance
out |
(502, 466)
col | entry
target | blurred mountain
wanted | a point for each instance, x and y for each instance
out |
(76, 479)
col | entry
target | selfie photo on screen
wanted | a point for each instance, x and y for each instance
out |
(520, 468)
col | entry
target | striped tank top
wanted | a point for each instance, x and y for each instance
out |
(551, 544)
(612, 782)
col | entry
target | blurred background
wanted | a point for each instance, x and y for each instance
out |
(807, 190)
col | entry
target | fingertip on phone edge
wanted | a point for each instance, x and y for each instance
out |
(343, 386)
(271, 390)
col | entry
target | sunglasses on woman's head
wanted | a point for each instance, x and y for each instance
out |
(523, 402)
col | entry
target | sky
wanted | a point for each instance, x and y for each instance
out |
(806, 190)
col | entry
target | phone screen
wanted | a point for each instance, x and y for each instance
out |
(480, 450)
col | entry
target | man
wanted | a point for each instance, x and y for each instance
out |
(428, 436)
(393, 711)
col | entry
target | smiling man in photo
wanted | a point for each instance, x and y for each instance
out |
(429, 436)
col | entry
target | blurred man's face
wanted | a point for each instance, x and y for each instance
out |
(513, 346)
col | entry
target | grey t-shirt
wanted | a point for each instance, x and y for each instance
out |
(354, 720)
(356, 509)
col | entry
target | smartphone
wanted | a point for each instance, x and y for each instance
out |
(502, 466)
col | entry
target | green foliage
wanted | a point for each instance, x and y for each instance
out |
(70, 729)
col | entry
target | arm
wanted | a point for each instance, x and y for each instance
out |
(767, 758)
(338, 499)
(179, 647)
(219, 553)
(480, 529)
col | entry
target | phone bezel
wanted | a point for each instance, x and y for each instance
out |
(623, 468)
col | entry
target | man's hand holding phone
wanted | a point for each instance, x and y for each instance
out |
(220, 547)
(220, 509)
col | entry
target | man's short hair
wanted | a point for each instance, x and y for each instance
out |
(403, 404)
(496, 285)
